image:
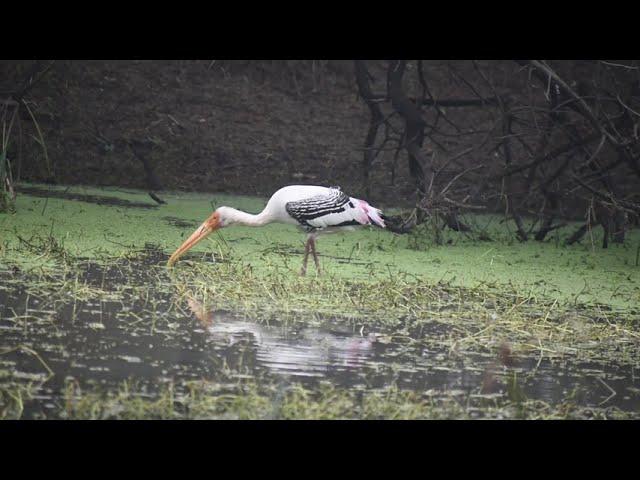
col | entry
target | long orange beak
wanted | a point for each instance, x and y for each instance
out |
(209, 225)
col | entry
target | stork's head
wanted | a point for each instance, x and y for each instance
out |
(218, 219)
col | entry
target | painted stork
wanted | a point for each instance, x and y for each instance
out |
(317, 210)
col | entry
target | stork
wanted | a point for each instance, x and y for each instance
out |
(315, 209)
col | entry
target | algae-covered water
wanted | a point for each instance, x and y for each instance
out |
(93, 325)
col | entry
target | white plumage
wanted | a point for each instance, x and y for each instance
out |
(314, 208)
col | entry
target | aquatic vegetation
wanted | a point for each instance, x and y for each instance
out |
(571, 274)
(397, 327)
(202, 400)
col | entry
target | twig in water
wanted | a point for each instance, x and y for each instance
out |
(28, 350)
(613, 392)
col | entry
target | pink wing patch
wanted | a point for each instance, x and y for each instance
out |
(366, 214)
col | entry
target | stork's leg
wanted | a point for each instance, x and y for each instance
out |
(307, 248)
(315, 255)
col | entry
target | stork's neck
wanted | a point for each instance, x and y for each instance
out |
(238, 217)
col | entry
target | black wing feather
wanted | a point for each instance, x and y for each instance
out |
(318, 206)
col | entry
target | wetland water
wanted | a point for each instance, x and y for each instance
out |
(110, 332)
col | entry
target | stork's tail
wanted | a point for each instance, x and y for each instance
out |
(377, 217)
(367, 214)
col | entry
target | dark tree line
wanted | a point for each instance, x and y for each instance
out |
(564, 140)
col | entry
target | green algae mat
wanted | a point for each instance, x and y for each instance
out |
(93, 324)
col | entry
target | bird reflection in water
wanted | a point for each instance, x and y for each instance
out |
(202, 314)
(304, 352)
